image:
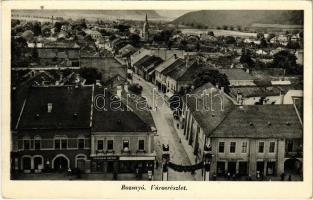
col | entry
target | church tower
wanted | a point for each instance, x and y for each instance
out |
(145, 30)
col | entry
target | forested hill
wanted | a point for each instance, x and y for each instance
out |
(241, 18)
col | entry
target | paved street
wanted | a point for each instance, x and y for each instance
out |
(167, 133)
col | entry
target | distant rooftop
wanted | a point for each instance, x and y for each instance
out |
(236, 74)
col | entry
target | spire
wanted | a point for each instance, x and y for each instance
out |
(146, 18)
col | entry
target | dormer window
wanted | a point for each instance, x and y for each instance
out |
(49, 106)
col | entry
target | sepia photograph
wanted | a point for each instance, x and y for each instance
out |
(210, 95)
(123, 98)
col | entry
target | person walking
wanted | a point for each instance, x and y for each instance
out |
(289, 178)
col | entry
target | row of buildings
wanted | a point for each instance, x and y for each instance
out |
(86, 127)
(245, 140)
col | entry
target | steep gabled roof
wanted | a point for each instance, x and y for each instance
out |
(71, 108)
(261, 121)
(208, 113)
(113, 119)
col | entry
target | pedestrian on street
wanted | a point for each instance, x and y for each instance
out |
(282, 177)
(289, 178)
(228, 176)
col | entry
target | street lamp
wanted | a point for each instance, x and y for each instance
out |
(207, 160)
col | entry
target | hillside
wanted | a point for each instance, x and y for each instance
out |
(92, 14)
(241, 18)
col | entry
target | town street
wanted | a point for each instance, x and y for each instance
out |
(167, 134)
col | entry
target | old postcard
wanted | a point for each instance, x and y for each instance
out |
(156, 99)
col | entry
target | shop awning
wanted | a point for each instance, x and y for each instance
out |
(137, 158)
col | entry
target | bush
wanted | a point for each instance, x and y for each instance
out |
(135, 88)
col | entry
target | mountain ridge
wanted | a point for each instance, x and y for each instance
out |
(241, 18)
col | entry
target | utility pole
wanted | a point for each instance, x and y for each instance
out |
(165, 160)
(207, 159)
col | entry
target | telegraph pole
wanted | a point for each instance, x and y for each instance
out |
(207, 159)
(165, 160)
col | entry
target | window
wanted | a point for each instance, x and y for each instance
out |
(26, 144)
(141, 145)
(289, 146)
(272, 147)
(221, 147)
(37, 144)
(232, 148)
(81, 143)
(110, 144)
(244, 147)
(64, 143)
(100, 145)
(125, 144)
(261, 147)
(57, 144)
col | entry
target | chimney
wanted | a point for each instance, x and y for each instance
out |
(49, 107)
(175, 56)
(119, 91)
(187, 61)
(281, 98)
(61, 76)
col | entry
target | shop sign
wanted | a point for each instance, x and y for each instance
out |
(106, 157)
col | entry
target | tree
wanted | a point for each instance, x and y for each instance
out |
(210, 33)
(225, 27)
(259, 36)
(286, 60)
(270, 36)
(134, 39)
(122, 28)
(57, 26)
(263, 43)
(135, 88)
(229, 40)
(212, 76)
(90, 74)
(37, 28)
(246, 57)
(293, 45)
(45, 31)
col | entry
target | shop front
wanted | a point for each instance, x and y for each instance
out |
(119, 164)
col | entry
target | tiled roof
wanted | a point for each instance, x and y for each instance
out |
(236, 74)
(71, 108)
(142, 60)
(153, 60)
(113, 120)
(179, 63)
(252, 91)
(166, 64)
(261, 121)
(208, 117)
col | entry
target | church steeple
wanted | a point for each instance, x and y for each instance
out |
(145, 29)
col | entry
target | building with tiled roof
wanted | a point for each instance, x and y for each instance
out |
(244, 140)
(238, 77)
(82, 127)
(145, 66)
(121, 140)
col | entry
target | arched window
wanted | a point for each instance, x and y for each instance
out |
(80, 160)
